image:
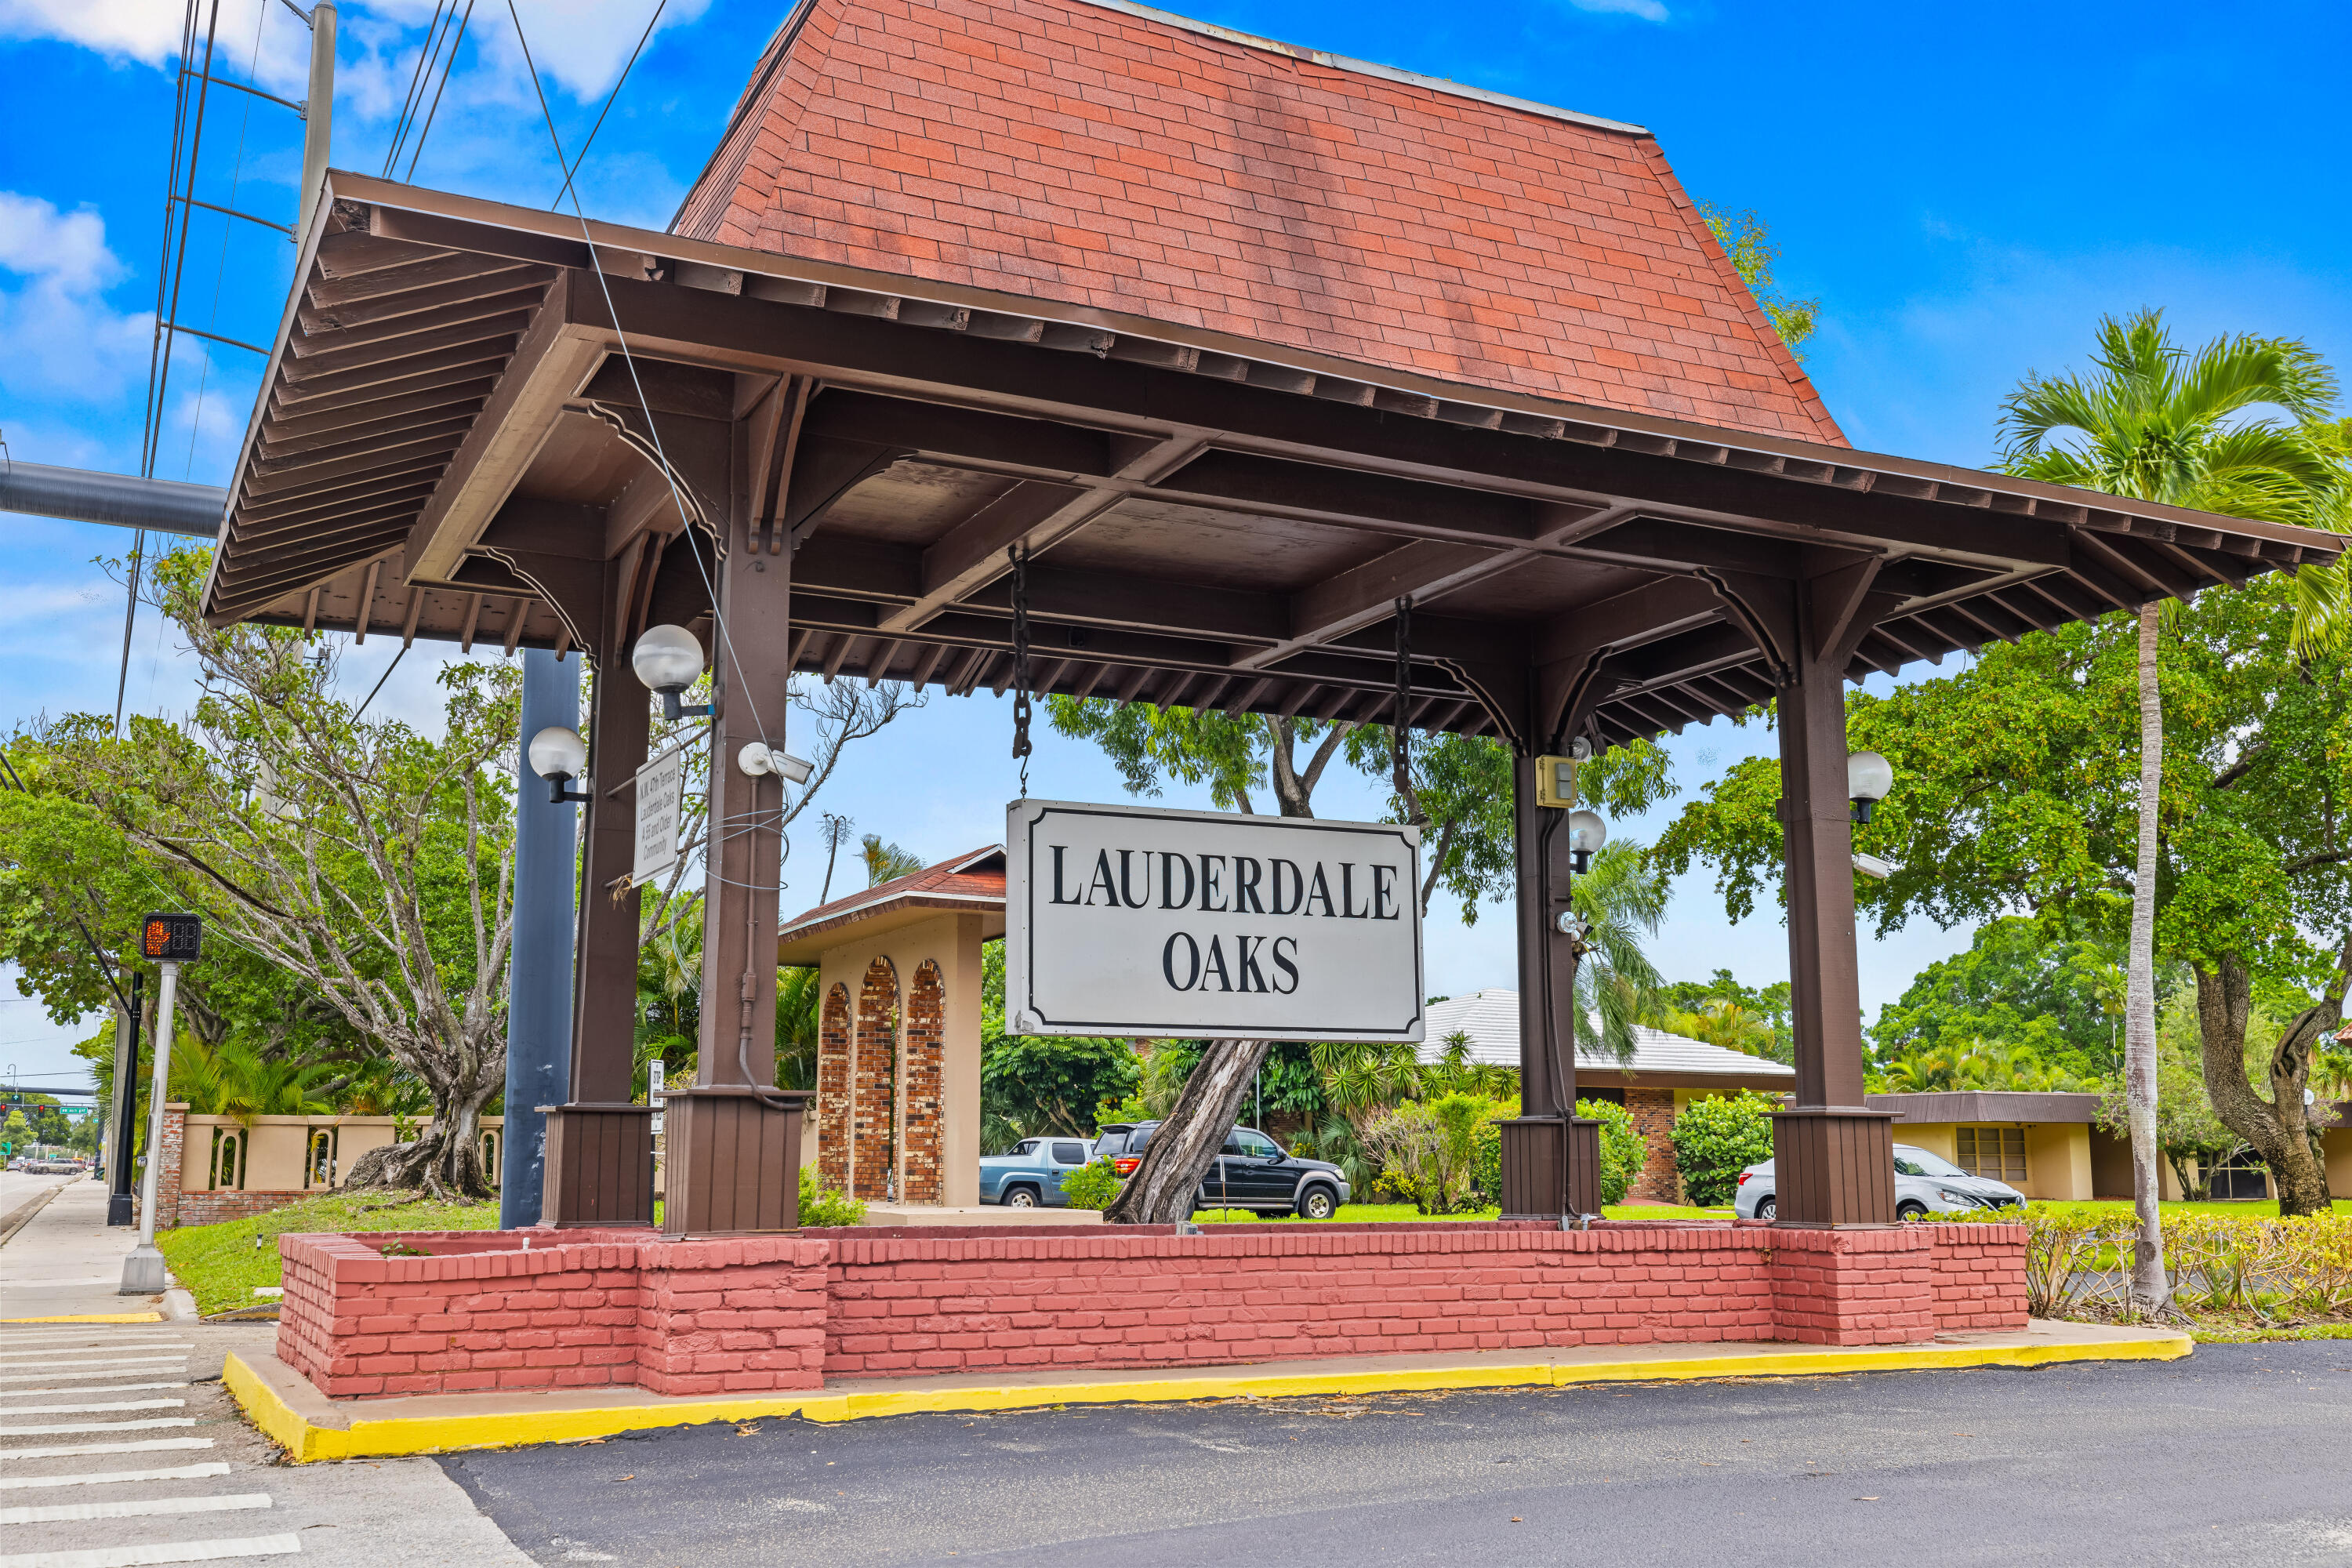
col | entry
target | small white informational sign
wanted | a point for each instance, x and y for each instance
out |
(661, 790)
(657, 1076)
(1124, 920)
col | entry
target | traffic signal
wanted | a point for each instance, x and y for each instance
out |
(172, 939)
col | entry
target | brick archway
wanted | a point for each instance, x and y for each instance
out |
(872, 1098)
(832, 1091)
(919, 1139)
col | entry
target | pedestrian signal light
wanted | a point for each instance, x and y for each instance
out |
(172, 939)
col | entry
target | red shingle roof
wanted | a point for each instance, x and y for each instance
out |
(1121, 158)
(974, 881)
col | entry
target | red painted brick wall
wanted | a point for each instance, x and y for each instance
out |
(553, 1310)
(592, 1308)
(873, 1105)
(926, 1005)
(211, 1209)
(1853, 1287)
(1979, 1277)
(832, 1091)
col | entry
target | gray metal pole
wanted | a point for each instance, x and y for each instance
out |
(318, 113)
(125, 500)
(539, 975)
(142, 1272)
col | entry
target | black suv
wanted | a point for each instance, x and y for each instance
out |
(1252, 1172)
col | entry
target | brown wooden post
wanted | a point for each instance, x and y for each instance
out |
(734, 1138)
(1833, 1158)
(1551, 1157)
(600, 1147)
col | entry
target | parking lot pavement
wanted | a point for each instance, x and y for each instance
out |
(2236, 1455)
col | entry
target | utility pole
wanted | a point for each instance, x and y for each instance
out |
(318, 113)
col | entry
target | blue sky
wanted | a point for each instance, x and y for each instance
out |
(1964, 188)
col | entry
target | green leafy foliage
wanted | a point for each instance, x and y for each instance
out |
(1434, 1147)
(1748, 240)
(2018, 986)
(822, 1206)
(1092, 1185)
(1623, 1152)
(1034, 1084)
(1718, 1138)
(887, 862)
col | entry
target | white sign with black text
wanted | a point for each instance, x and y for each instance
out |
(1125, 920)
(661, 790)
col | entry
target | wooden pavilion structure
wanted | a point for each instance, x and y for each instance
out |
(1247, 343)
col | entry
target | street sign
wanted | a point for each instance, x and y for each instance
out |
(172, 939)
(661, 790)
(1125, 919)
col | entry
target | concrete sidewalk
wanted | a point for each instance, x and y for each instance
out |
(66, 1264)
(310, 1426)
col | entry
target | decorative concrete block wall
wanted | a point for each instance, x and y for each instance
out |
(832, 1046)
(919, 1072)
(553, 1310)
(872, 1071)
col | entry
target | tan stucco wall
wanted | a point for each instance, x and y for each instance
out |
(953, 941)
(2057, 1153)
(2335, 1145)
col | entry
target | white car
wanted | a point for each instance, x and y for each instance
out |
(1924, 1184)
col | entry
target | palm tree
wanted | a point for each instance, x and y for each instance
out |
(2158, 423)
(1620, 899)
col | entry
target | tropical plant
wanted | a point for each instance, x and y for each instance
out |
(887, 862)
(1092, 1185)
(233, 1080)
(1620, 901)
(821, 1205)
(1716, 1138)
(1433, 1147)
(2157, 423)
(1747, 242)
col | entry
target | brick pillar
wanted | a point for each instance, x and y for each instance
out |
(1652, 1110)
(919, 1149)
(832, 1091)
(167, 1173)
(872, 1104)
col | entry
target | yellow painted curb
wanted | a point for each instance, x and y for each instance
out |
(305, 1443)
(94, 1318)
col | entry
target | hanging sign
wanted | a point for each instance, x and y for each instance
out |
(1124, 920)
(661, 792)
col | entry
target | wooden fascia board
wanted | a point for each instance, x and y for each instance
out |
(554, 358)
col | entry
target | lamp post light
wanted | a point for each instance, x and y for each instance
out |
(1586, 833)
(667, 660)
(1868, 777)
(559, 755)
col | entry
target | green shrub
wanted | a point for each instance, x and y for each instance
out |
(1092, 1185)
(1623, 1152)
(1715, 1140)
(1434, 1149)
(823, 1206)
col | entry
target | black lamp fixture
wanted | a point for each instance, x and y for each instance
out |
(667, 660)
(559, 755)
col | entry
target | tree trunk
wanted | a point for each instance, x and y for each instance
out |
(2149, 1288)
(1162, 1189)
(2276, 1127)
(444, 1161)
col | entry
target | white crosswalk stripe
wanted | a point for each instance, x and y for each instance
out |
(115, 1478)
(141, 1556)
(153, 1515)
(143, 1446)
(130, 1508)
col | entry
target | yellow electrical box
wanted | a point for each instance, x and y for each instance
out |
(1556, 782)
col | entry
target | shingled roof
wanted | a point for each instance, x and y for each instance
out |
(1110, 156)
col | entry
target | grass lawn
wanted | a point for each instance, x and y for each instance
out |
(220, 1265)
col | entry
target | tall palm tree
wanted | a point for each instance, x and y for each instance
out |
(2159, 423)
(1620, 899)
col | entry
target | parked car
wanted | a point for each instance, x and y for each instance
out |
(1250, 1172)
(1924, 1184)
(1029, 1174)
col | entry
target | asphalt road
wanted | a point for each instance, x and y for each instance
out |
(2241, 1454)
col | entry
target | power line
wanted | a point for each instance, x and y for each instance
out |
(446, 67)
(573, 171)
(434, 31)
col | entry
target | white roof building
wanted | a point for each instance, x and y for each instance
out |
(1661, 1060)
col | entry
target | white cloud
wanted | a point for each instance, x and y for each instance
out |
(63, 338)
(1648, 10)
(583, 43)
